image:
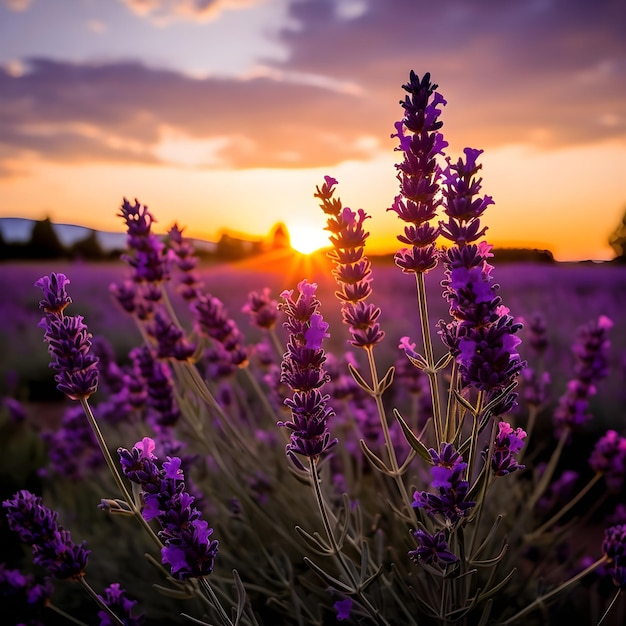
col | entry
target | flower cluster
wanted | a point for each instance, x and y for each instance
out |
(302, 369)
(609, 458)
(482, 336)
(148, 257)
(590, 351)
(187, 548)
(17, 589)
(52, 545)
(116, 599)
(69, 341)
(450, 501)
(352, 267)
(263, 311)
(153, 386)
(211, 320)
(614, 547)
(183, 255)
(419, 173)
(507, 444)
(432, 549)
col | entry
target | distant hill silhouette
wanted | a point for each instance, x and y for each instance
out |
(22, 238)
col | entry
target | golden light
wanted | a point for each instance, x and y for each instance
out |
(307, 238)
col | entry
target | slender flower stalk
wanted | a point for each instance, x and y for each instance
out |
(419, 175)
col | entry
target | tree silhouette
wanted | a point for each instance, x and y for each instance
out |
(617, 241)
(88, 248)
(44, 242)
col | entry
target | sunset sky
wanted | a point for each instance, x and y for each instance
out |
(227, 113)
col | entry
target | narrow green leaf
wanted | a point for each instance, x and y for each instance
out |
(412, 440)
(360, 381)
(331, 580)
(241, 596)
(178, 594)
(464, 402)
(315, 541)
(442, 363)
(419, 362)
(499, 586)
(386, 380)
(376, 461)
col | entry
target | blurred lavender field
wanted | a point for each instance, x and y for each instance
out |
(568, 295)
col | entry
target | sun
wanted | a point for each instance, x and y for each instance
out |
(307, 238)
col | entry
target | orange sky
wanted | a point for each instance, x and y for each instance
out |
(228, 118)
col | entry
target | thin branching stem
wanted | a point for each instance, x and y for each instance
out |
(99, 601)
(542, 599)
(115, 472)
(429, 355)
(321, 503)
(215, 603)
(391, 453)
(559, 514)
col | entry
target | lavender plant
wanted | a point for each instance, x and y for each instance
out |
(339, 490)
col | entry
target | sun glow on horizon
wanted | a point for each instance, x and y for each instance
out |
(307, 238)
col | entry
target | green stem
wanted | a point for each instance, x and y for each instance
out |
(103, 605)
(474, 438)
(391, 453)
(315, 479)
(115, 472)
(429, 355)
(539, 601)
(63, 614)
(259, 392)
(557, 516)
(450, 427)
(546, 477)
(214, 600)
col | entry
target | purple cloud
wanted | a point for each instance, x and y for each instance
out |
(544, 73)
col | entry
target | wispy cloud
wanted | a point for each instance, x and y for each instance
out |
(17, 5)
(163, 12)
(534, 72)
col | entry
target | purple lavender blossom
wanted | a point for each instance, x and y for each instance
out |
(148, 256)
(69, 341)
(609, 458)
(170, 339)
(115, 598)
(72, 447)
(450, 501)
(263, 311)
(352, 268)
(343, 608)
(55, 298)
(52, 545)
(22, 594)
(15, 409)
(419, 173)
(591, 352)
(506, 446)
(536, 334)
(614, 547)
(183, 254)
(187, 548)
(211, 320)
(482, 336)
(432, 549)
(302, 370)
(156, 390)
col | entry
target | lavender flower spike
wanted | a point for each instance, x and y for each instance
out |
(53, 548)
(55, 297)
(302, 369)
(188, 549)
(69, 341)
